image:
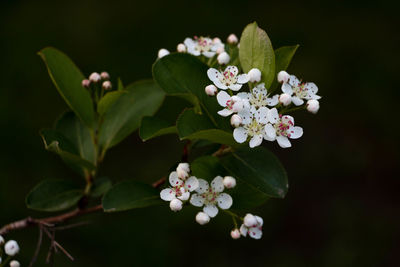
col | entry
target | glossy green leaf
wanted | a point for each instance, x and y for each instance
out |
(195, 126)
(256, 52)
(68, 78)
(123, 117)
(130, 195)
(108, 100)
(259, 168)
(100, 186)
(54, 195)
(283, 57)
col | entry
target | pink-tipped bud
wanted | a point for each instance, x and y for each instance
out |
(107, 85)
(283, 76)
(229, 181)
(232, 39)
(94, 77)
(235, 234)
(183, 170)
(236, 120)
(313, 106)
(211, 90)
(285, 99)
(202, 218)
(254, 75)
(86, 83)
(104, 75)
(181, 48)
(223, 58)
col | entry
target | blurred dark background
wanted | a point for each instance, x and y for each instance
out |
(342, 208)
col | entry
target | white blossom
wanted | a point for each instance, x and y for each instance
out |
(231, 104)
(181, 48)
(299, 90)
(202, 46)
(94, 77)
(202, 218)
(11, 248)
(229, 182)
(162, 53)
(227, 79)
(281, 128)
(211, 197)
(232, 39)
(183, 170)
(253, 229)
(285, 99)
(14, 263)
(283, 76)
(211, 90)
(235, 234)
(258, 97)
(223, 58)
(313, 106)
(236, 120)
(254, 75)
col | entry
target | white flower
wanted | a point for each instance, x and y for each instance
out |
(235, 234)
(94, 77)
(202, 218)
(230, 104)
(228, 79)
(107, 85)
(180, 189)
(104, 75)
(299, 91)
(183, 170)
(211, 90)
(281, 128)
(223, 58)
(283, 76)
(313, 106)
(254, 122)
(229, 182)
(181, 48)
(11, 248)
(254, 75)
(254, 229)
(1, 240)
(285, 99)
(211, 197)
(162, 53)
(259, 97)
(236, 120)
(232, 39)
(14, 263)
(202, 46)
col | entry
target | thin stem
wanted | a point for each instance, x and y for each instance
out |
(39, 244)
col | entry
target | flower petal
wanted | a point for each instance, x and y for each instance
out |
(295, 132)
(262, 114)
(255, 232)
(185, 196)
(270, 132)
(297, 101)
(203, 186)
(256, 140)
(273, 101)
(197, 200)
(167, 194)
(283, 141)
(217, 184)
(235, 87)
(244, 95)
(232, 69)
(287, 89)
(191, 183)
(174, 179)
(259, 220)
(213, 74)
(220, 85)
(224, 201)
(293, 81)
(311, 87)
(211, 210)
(209, 54)
(222, 98)
(243, 230)
(287, 119)
(242, 78)
(240, 135)
(273, 115)
(225, 112)
(246, 116)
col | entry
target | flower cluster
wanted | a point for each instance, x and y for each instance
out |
(95, 79)
(11, 248)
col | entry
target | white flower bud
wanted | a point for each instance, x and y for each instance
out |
(107, 85)
(211, 90)
(220, 49)
(232, 39)
(1, 240)
(235, 234)
(86, 83)
(162, 52)
(229, 182)
(313, 106)
(254, 75)
(11, 248)
(14, 264)
(94, 77)
(223, 58)
(283, 76)
(175, 204)
(183, 170)
(250, 220)
(236, 120)
(181, 48)
(216, 40)
(104, 75)
(202, 218)
(285, 99)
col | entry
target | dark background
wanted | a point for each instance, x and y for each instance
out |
(342, 208)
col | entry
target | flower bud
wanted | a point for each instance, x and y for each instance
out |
(220, 49)
(232, 39)
(107, 85)
(236, 120)
(202, 218)
(223, 58)
(216, 40)
(86, 83)
(183, 170)
(313, 106)
(235, 234)
(1, 240)
(14, 263)
(104, 75)
(175, 204)
(283, 76)
(211, 90)
(285, 99)
(254, 75)
(11, 248)
(181, 48)
(162, 52)
(229, 182)
(250, 220)
(94, 77)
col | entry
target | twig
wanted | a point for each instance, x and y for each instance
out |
(222, 151)
(63, 250)
(159, 182)
(185, 153)
(39, 244)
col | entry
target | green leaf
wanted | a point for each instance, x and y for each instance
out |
(164, 121)
(124, 116)
(185, 75)
(259, 168)
(101, 185)
(283, 56)
(68, 78)
(54, 195)
(256, 52)
(120, 84)
(195, 126)
(108, 100)
(130, 195)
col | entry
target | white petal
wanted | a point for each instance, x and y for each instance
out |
(295, 132)
(311, 87)
(287, 119)
(203, 186)
(193, 51)
(297, 101)
(287, 89)
(191, 183)
(283, 141)
(262, 114)
(167, 194)
(293, 81)
(240, 135)
(213, 74)
(243, 230)
(259, 220)
(235, 87)
(174, 179)
(224, 201)
(243, 78)
(222, 98)
(232, 69)
(197, 200)
(211, 210)
(270, 132)
(256, 140)
(185, 196)
(255, 233)
(209, 54)
(273, 115)
(243, 95)
(189, 42)
(217, 184)
(246, 116)
(225, 112)
(220, 85)
(273, 101)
